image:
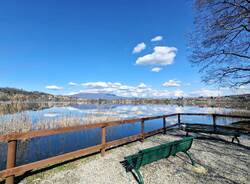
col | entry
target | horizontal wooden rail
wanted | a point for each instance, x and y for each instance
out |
(43, 133)
(219, 115)
(158, 117)
(50, 161)
(233, 116)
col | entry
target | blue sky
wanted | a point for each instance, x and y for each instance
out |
(99, 46)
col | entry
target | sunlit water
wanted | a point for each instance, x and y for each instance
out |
(44, 147)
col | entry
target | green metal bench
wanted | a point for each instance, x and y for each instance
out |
(133, 163)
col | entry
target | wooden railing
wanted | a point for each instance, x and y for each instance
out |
(11, 170)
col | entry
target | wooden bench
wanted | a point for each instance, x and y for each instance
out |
(208, 129)
(133, 163)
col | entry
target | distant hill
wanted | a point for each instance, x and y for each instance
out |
(105, 96)
(13, 94)
(20, 95)
(15, 91)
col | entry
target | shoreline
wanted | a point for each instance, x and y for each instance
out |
(11, 107)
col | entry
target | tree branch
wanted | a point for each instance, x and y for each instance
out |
(235, 54)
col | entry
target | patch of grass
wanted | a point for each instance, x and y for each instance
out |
(63, 167)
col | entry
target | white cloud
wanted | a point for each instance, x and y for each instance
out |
(139, 91)
(156, 69)
(179, 93)
(157, 38)
(100, 84)
(95, 84)
(223, 91)
(71, 93)
(240, 90)
(162, 56)
(207, 93)
(172, 83)
(72, 84)
(142, 85)
(53, 87)
(139, 47)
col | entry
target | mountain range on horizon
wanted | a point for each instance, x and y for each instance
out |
(106, 96)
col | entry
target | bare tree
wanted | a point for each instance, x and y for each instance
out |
(220, 44)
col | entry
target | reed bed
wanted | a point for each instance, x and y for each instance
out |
(24, 123)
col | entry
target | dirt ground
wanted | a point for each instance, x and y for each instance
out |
(217, 161)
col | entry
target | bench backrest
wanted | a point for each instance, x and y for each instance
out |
(150, 155)
(181, 145)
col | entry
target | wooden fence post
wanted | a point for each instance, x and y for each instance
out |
(179, 120)
(164, 125)
(11, 159)
(142, 130)
(214, 121)
(103, 141)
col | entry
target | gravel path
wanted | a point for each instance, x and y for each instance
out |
(218, 161)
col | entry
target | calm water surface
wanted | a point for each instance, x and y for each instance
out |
(44, 147)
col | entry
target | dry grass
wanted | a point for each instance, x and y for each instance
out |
(23, 123)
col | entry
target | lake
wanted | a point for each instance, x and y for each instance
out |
(44, 147)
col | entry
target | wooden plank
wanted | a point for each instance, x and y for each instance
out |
(169, 115)
(50, 161)
(152, 118)
(103, 141)
(142, 130)
(164, 125)
(158, 117)
(214, 121)
(121, 122)
(179, 120)
(42, 133)
(11, 159)
(195, 114)
(221, 115)
(233, 116)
